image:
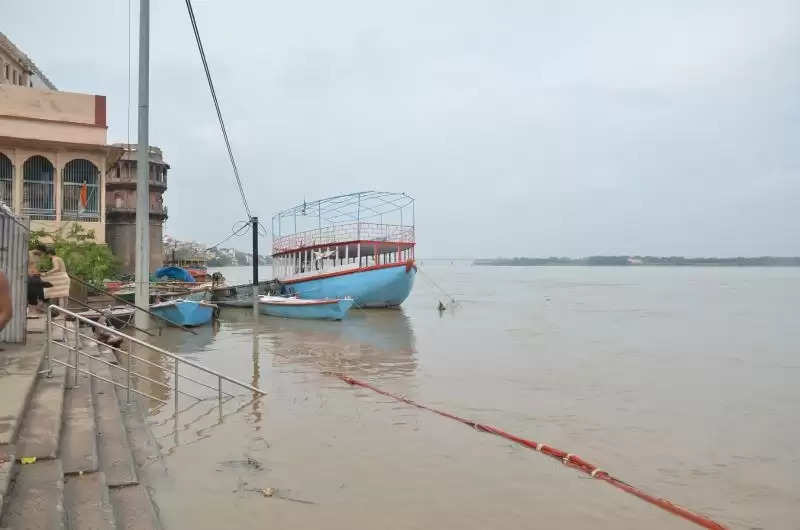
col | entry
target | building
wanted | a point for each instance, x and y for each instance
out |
(16, 68)
(51, 144)
(121, 207)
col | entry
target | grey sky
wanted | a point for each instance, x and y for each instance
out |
(522, 128)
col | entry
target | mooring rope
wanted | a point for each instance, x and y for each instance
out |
(568, 459)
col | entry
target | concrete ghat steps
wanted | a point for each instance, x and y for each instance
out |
(87, 502)
(85, 475)
(8, 467)
(36, 500)
(115, 451)
(134, 509)
(78, 442)
(41, 428)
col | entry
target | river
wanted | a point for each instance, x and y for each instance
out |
(682, 381)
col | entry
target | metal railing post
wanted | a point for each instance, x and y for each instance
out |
(77, 347)
(47, 345)
(130, 352)
(219, 391)
(176, 385)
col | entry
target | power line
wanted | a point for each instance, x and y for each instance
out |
(216, 106)
(235, 232)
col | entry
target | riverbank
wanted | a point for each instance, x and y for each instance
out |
(72, 451)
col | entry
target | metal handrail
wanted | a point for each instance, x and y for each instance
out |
(129, 355)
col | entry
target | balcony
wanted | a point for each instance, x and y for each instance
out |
(112, 210)
(119, 183)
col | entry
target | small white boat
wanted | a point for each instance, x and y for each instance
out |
(326, 309)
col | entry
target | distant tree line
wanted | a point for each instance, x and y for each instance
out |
(762, 261)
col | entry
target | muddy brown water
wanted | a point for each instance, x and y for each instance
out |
(682, 381)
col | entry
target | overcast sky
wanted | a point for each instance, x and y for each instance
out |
(522, 128)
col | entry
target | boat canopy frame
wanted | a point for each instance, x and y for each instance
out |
(370, 215)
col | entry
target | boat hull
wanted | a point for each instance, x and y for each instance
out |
(324, 310)
(379, 287)
(185, 312)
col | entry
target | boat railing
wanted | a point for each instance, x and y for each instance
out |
(342, 233)
(77, 359)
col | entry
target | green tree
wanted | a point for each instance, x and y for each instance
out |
(84, 257)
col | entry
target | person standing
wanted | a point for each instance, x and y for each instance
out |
(58, 278)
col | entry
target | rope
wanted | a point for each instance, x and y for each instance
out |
(436, 285)
(216, 106)
(568, 459)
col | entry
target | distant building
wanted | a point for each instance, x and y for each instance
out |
(51, 144)
(121, 207)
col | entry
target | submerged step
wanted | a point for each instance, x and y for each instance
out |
(87, 502)
(116, 457)
(36, 500)
(41, 426)
(134, 509)
(78, 440)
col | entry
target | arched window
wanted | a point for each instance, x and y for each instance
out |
(38, 197)
(75, 175)
(6, 180)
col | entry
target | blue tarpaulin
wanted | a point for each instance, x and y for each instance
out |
(175, 273)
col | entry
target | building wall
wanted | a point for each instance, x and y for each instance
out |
(54, 116)
(17, 68)
(60, 127)
(121, 190)
(121, 238)
(12, 71)
(58, 157)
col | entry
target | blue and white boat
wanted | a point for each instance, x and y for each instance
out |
(359, 246)
(185, 312)
(293, 307)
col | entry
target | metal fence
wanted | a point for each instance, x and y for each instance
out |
(203, 383)
(38, 193)
(14, 264)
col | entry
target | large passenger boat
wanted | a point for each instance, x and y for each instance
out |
(359, 245)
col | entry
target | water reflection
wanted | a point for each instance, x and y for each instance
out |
(178, 341)
(378, 342)
(368, 343)
(255, 381)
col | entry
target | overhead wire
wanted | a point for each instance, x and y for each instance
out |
(216, 106)
(234, 232)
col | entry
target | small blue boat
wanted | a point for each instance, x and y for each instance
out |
(185, 312)
(325, 309)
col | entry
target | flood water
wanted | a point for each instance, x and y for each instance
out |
(682, 381)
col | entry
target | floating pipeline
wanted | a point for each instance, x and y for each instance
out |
(567, 459)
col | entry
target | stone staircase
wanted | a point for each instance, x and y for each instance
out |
(68, 461)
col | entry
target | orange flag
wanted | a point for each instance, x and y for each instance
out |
(84, 197)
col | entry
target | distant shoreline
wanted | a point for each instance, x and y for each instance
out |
(643, 261)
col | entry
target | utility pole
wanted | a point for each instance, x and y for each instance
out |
(142, 270)
(254, 221)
